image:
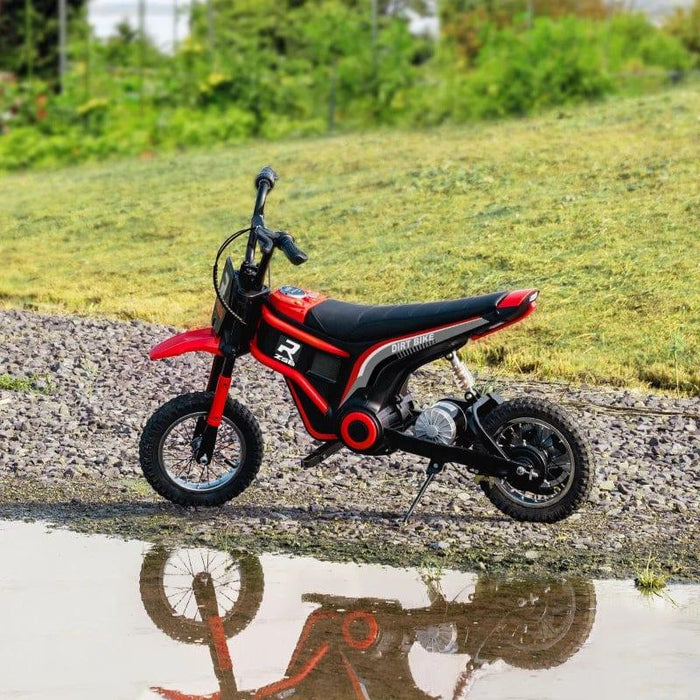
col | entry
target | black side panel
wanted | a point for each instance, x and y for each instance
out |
(326, 372)
(319, 426)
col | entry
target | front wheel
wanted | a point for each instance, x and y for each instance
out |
(556, 472)
(169, 446)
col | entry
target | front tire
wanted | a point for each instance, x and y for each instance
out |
(168, 445)
(165, 584)
(556, 458)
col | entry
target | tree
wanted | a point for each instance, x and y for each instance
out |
(684, 24)
(29, 37)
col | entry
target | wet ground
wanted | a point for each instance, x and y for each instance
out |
(93, 616)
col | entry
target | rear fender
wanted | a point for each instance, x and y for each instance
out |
(198, 340)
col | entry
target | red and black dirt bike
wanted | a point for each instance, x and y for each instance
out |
(347, 367)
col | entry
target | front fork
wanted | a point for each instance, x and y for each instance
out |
(207, 428)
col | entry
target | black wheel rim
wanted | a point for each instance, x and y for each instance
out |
(547, 462)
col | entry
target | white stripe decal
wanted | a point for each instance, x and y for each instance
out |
(405, 347)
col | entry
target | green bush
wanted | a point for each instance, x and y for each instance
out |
(633, 40)
(318, 69)
(191, 127)
(557, 62)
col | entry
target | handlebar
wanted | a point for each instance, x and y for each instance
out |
(267, 174)
(265, 182)
(294, 254)
(282, 240)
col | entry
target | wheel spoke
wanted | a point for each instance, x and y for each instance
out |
(176, 452)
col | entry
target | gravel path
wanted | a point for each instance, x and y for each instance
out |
(94, 387)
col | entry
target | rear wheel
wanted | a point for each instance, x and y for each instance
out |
(169, 444)
(556, 473)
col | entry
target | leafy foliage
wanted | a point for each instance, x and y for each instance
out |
(276, 68)
(38, 18)
(684, 24)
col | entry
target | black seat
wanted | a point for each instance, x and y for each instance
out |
(358, 323)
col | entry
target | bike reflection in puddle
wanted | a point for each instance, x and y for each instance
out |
(359, 648)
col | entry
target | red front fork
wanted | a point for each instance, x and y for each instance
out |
(216, 412)
(219, 382)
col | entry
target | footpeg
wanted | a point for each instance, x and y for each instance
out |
(320, 454)
(434, 468)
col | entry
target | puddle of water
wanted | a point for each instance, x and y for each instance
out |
(87, 617)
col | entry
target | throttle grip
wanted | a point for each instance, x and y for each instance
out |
(294, 254)
(268, 175)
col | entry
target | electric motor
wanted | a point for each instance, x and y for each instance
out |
(442, 422)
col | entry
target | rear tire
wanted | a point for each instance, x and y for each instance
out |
(192, 407)
(568, 438)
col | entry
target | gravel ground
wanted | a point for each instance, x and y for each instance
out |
(69, 453)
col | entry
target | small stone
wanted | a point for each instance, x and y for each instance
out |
(607, 485)
(532, 555)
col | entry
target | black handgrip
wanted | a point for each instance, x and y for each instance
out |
(295, 255)
(268, 175)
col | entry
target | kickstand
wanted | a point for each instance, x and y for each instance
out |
(434, 468)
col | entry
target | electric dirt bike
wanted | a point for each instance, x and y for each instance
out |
(347, 368)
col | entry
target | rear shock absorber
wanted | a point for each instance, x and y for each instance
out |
(463, 377)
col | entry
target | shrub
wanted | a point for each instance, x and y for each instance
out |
(554, 63)
(684, 25)
(632, 38)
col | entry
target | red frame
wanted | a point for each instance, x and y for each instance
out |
(297, 333)
(305, 418)
(289, 372)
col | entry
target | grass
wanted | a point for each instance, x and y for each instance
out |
(41, 384)
(598, 207)
(649, 580)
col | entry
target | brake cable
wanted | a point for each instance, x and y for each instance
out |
(215, 271)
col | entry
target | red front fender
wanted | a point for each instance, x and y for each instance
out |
(198, 340)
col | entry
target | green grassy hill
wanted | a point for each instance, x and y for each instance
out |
(599, 207)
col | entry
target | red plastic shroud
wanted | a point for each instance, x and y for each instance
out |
(516, 298)
(294, 307)
(513, 300)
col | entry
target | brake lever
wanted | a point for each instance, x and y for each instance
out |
(266, 243)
